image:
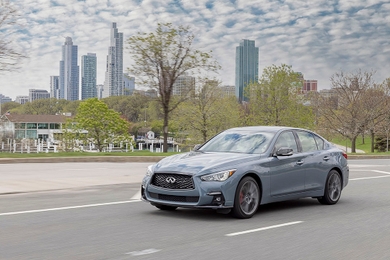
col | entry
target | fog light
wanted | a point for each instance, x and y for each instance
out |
(218, 200)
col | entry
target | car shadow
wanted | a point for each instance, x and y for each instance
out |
(212, 215)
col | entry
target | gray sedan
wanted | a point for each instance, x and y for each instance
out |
(242, 168)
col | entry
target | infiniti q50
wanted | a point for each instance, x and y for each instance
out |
(242, 168)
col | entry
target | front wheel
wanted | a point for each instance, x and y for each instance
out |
(333, 188)
(247, 198)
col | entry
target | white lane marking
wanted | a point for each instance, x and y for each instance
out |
(65, 208)
(380, 171)
(143, 252)
(367, 178)
(261, 229)
(136, 196)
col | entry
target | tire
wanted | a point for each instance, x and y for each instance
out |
(247, 198)
(332, 192)
(164, 207)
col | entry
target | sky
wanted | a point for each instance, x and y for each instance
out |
(317, 38)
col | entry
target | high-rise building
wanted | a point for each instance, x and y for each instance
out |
(88, 76)
(113, 84)
(35, 94)
(55, 87)
(21, 99)
(128, 85)
(183, 85)
(100, 90)
(247, 67)
(69, 71)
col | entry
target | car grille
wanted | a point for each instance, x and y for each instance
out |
(174, 198)
(173, 181)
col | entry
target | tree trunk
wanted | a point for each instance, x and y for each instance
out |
(372, 141)
(353, 146)
(165, 130)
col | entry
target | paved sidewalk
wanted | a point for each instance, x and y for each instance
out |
(33, 177)
(349, 150)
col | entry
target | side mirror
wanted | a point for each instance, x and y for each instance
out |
(197, 146)
(284, 151)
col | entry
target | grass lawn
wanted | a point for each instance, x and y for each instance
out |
(365, 146)
(80, 154)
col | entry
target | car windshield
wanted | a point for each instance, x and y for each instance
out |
(239, 142)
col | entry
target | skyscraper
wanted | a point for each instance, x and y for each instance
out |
(113, 84)
(88, 76)
(69, 71)
(55, 87)
(247, 67)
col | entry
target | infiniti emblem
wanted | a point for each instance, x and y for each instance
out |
(170, 180)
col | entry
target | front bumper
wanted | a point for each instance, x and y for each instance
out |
(207, 195)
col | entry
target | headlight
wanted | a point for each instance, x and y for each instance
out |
(149, 171)
(218, 176)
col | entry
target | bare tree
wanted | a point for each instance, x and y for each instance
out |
(9, 56)
(161, 57)
(375, 109)
(344, 112)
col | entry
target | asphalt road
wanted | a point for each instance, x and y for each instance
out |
(109, 222)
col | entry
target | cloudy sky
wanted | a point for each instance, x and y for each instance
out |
(318, 38)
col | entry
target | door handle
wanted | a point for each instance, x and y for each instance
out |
(326, 158)
(300, 162)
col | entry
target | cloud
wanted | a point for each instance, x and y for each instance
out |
(317, 38)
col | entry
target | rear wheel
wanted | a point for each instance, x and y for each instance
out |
(247, 198)
(333, 188)
(164, 207)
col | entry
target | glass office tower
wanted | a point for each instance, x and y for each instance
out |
(247, 67)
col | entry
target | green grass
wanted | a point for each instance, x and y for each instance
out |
(81, 154)
(365, 146)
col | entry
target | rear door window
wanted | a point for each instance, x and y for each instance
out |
(307, 140)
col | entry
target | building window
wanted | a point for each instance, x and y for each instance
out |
(55, 126)
(20, 134)
(31, 125)
(31, 134)
(43, 126)
(20, 125)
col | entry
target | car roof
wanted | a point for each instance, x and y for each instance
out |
(260, 128)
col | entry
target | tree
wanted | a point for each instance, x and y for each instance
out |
(46, 106)
(277, 100)
(9, 56)
(8, 107)
(375, 109)
(344, 112)
(161, 57)
(131, 107)
(207, 113)
(97, 123)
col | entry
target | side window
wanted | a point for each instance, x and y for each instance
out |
(307, 141)
(286, 139)
(320, 142)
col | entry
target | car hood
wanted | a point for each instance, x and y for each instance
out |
(198, 163)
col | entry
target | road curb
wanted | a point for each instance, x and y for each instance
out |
(114, 159)
(123, 159)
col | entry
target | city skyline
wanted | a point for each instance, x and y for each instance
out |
(317, 39)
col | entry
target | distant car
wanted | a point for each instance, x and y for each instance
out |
(242, 168)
